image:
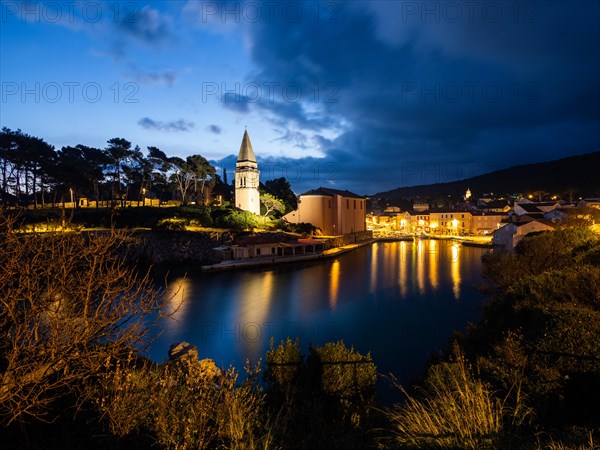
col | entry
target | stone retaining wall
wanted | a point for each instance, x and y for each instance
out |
(173, 247)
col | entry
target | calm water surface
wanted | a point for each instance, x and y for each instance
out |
(399, 300)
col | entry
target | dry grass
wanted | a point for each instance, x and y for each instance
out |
(457, 411)
(573, 439)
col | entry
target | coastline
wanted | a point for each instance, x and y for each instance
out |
(327, 254)
(261, 262)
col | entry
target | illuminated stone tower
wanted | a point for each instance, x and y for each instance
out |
(246, 178)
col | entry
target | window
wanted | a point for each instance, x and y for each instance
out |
(329, 203)
(347, 204)
(258, 251)
(272, 250)
(361, 205)
(463, 216)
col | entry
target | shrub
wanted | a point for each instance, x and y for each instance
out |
(68, 303)
(283, 367)
(171, 225)
(183, 405)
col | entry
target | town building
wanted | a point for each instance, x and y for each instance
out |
(483, 223)
(507, 237)
(525, 206)
(590, 203)
(247, 196)
(445, 221)
(334, 211)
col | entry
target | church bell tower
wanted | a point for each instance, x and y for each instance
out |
(246, 178)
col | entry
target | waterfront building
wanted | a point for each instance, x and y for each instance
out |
(334, 211)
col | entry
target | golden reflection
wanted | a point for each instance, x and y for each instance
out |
(434, 260)
(455, 270)
(402, 271)
(389, 267)
(178, 294)
(373, 280)
(255, 298)
(421, 267)
(334, 284)
(255, 295)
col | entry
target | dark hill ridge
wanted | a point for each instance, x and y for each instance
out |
(579, 175)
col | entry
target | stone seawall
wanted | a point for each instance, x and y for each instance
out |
(191, 247)
(172, 247)
(347, 239)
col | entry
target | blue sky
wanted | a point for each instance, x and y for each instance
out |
(365, 96)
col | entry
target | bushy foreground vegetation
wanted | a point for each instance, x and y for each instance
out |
(156, 218)
(525, 377)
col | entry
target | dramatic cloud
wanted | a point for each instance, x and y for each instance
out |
(166, 77)
(443, 92)
(386, 93)
(216, 129)
(236, 102)
(146, 24)
(174, 126)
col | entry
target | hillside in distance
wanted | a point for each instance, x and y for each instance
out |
(576, 176)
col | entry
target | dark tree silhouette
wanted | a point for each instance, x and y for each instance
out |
(281, 189)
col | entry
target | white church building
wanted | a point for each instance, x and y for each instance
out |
(247, 196)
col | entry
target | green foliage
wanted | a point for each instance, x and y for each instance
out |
(170, 225)
(344, 371)
(542, 328)
(305, 229)
(240, 220)
(271, 204)
(280, 188)
(325, 400)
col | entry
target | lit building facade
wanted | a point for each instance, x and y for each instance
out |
(335, 212)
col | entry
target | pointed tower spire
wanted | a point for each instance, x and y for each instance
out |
(246, 152)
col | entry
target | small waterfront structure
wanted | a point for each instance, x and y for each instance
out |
(267, 245)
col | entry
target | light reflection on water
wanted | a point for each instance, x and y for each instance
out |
(399, 300)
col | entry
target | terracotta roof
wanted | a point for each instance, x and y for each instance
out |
(542, 221)
(328, 192)
(265, 238)
(285, 240)
(484, 213)
(530, 208)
